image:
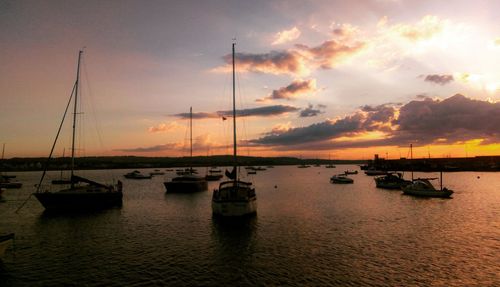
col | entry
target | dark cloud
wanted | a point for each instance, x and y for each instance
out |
(267, 111)
(428, 121)
(330, 53)
(455, 119)
(310, 111)
(198, 115)
(439, 79)
(155, 148)
(292, 90)
(274, 62)
(316, 132)
(377, 117)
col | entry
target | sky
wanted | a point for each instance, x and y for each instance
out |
(315, 79)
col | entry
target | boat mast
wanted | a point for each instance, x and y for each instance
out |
(411, 160)
(191, 139)
(74, 120)
(3, 152)
(234, 120)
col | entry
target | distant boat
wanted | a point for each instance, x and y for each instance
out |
(329, 166)
(373, 172)
(5, 242)
(83, 193)
(188, 182)
(260, 168)
(234, 197)
(351, 172)
(341, 178)
(186, 171)
(364, 167)
(5, 176)
(5, 180)
(137, 175)
(157, 172)
(391, 181)
(214, 175)
(10, 184)
(303, 166)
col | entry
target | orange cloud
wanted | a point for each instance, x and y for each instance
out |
(160, 128)
(286, 36)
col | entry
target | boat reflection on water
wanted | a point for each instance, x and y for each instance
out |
(238, 235)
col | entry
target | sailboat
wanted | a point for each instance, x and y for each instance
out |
(187, 183)
(423, 187)
(6, 180)
(234, 197)
(82, 194)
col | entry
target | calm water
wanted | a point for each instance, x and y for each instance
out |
(307, 232)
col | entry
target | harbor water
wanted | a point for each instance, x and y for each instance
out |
(307, 232)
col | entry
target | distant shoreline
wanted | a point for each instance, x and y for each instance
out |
(480, 163)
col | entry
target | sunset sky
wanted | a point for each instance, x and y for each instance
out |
(318, 79)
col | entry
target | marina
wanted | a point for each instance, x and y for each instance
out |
(306, 232)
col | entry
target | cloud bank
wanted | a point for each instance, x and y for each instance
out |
(267, 111)
(427, 121)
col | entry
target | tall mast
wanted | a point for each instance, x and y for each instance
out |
(3, 151)
(234, 117)
(411, 160)
(74, 119)
(191, 138)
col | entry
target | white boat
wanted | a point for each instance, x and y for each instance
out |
(82, 194)
(234, 198)
(341, 178)
(187, 182)
(5, 242)
(423, 187)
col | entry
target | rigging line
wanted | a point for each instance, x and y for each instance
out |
(92, 107)
(243, 120)
(51, 150)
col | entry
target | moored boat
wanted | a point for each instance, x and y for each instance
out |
(341, 179)
(234, 198)
(187, 182)
(423, 187)
(82, 194)
(373, 172)
(137, 175)
(391, 181)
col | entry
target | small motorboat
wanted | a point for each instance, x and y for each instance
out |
(351, 172)
(137, 175)
(341, 178)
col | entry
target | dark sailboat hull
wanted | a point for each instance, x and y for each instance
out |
(185, 186)
(79, 200)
